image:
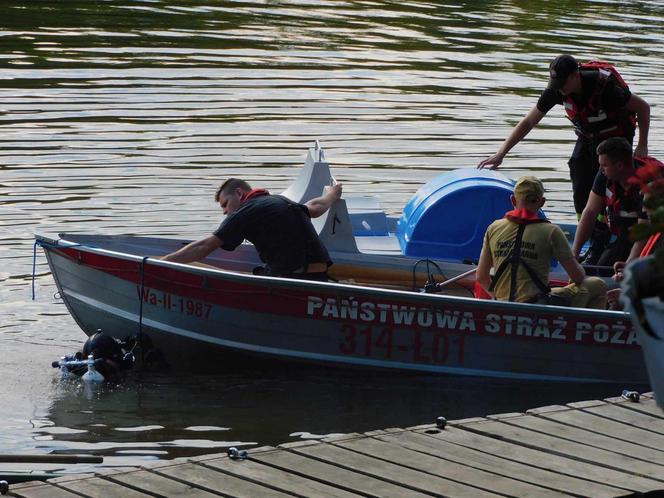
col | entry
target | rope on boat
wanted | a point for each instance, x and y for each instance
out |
(34, 265)
(431, 286)
(139, 336)
(429, 274)
(41, 243)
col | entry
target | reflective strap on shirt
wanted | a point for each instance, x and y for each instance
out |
(628, 214)
(607, 130)
(600, 117)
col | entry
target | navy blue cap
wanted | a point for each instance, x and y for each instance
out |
(560, 69)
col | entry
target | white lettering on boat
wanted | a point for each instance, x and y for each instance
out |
(526, 326)
(424, 318)
(582, 328)
(601, 333)
(403, 315)
(558, 332)
(367, 312)
(542, 328)
(618, 332)
(604, 333)
(394, 314)
(538, 326)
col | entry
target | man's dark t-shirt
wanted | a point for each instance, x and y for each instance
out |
(281, 231)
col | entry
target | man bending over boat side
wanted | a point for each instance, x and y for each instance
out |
(620, 202)
(279, 228)
(520, 247)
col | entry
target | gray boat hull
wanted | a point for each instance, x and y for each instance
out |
(190, 310)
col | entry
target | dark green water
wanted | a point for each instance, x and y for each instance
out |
(123, 116)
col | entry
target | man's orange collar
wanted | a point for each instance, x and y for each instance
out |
(256, 192)
(523, 216)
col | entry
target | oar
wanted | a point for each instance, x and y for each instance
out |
(455, 279)
(595, 269)
(49, 458)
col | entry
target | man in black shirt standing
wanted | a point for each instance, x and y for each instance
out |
(600, 105)
(279, 228)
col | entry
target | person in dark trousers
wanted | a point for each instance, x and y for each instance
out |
(617, 199)
(600, 105)
(279, 228)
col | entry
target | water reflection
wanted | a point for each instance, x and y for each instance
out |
(194, 414)
(122, 117)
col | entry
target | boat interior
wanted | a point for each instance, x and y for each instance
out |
(369, 247)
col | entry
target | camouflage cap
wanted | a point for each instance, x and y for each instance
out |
(529, 189)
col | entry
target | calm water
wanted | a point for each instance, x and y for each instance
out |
(122, 117)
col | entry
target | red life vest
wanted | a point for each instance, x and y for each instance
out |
(524, 217)
(592, 120)
(616, 207)
(653, 242)
(256, 192)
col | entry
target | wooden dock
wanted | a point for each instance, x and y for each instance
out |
(613, 447)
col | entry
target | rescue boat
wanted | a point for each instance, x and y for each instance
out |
(374, 314)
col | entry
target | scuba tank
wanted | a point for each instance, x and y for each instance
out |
(102, 358)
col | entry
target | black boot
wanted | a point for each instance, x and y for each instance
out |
(599, 239)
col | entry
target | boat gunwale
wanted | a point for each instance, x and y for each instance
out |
(298, 284)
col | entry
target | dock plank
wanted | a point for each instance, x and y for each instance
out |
(400, 475)
(541, 459)
(608, 448)
(595, 440)
(619, 413)
(551, 444)
(155, 484)
(215, 481)
(445, 468)
(472, 457)
(599, 425)
(96, 487)
(646, 406)
(334, 475)
(280, 479)
(39, 490)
